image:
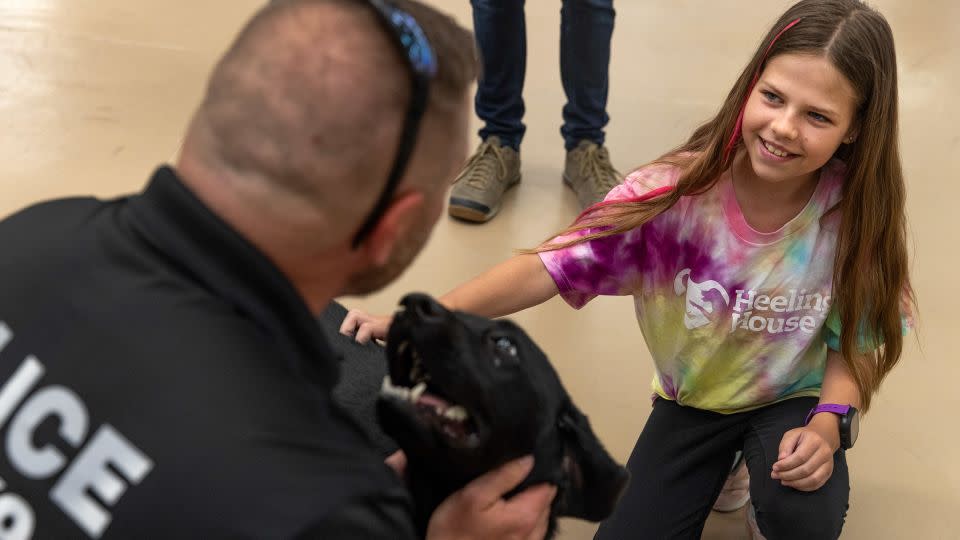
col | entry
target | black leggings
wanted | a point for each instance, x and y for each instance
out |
(683, 457)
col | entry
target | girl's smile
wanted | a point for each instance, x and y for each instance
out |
(774, 152)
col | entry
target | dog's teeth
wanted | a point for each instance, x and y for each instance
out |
(456, 413)
(397, 391)
(418, 391)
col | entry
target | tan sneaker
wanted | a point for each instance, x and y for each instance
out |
(490, 172)
(589, 173)
(736, 491)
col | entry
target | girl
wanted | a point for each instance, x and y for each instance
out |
(767, 261)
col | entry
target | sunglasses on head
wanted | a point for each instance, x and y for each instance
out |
(419, 56)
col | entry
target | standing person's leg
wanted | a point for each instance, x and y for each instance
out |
(494, 168)
(783, 512)
(501, 34)
(586, 29)
(678, 466)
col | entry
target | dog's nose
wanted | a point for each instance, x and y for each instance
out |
(426, 309)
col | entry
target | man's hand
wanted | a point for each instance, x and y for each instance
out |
(398, 462)
(478, 511)
(363, 326)
(806, 454)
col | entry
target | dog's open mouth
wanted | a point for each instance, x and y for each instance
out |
(411, 383)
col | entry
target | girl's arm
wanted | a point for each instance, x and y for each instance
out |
(806, 453)
(838, 387)
(513, 285)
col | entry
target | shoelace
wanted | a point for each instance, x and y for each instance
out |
(481, 165)
(596, 159)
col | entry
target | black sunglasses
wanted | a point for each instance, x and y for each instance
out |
(423, 66)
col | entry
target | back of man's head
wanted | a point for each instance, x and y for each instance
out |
(303, 114)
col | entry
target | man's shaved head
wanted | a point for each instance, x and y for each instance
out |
(307, 90)
(304, 111)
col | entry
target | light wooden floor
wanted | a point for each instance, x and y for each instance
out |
(95, 93)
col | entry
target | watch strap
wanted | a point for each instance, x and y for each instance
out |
(827, 407)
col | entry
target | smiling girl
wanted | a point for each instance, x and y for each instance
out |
(767, 260)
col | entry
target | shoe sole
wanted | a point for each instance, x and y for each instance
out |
(474, 212)
(732, 506)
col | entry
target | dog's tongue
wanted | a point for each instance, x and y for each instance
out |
(431, 400)
(435, 410)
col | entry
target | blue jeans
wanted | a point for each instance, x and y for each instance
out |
(586, 27)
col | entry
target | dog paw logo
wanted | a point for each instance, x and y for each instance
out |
(700, 309)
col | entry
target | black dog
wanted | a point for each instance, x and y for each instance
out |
(466, 394)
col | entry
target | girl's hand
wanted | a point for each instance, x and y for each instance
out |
(363, 326)
(806, 454)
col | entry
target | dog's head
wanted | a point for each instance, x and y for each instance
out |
(465, 394)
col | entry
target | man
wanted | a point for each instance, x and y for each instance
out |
(586, 28)
(161, 371)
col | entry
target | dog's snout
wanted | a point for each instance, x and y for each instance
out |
(426, 309)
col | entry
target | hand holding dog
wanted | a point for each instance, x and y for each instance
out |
(479, 510)
(365, 326)
(806, 454)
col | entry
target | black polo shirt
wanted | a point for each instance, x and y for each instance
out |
(160, 378)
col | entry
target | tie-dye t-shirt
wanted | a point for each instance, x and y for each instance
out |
(734, 318)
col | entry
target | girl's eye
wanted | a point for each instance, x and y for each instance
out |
(770, 96)
(819, 117)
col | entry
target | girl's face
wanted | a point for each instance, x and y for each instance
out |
(798, 114)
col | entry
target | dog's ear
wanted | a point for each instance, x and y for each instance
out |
(592, 481)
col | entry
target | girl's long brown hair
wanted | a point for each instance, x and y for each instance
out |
(870, 270)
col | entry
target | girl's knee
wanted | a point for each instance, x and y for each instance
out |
(801, 515)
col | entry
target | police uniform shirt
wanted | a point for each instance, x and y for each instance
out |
(160, 378)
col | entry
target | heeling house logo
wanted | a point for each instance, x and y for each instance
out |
(752, 310)
(702, 299)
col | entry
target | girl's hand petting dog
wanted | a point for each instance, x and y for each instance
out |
(365, 326)
(806, 454)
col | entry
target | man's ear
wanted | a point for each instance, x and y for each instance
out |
(592, 481)
(394, 226)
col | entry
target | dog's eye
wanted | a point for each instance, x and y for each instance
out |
(505, 350)
(507, 346)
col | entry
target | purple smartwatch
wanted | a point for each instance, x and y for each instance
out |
(849, 421)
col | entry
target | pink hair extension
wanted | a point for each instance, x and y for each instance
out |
(738, 129)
